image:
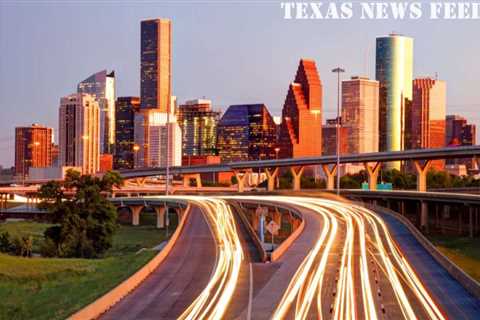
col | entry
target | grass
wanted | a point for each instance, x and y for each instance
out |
(45, 288)
(464, 252)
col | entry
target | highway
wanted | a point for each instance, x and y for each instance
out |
(349, 263)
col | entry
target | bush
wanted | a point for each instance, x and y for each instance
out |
(6, 244)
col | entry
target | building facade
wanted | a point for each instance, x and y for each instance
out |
(245, 133)
(199, 127)
(155, 64)
(125, 149)
(33, 148)
(360, 112)
(329, 142)
(101, 86)
(460, 133)
(301, 128)
(79, 132)
(394, 71)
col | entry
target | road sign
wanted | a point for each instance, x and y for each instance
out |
(273, 227)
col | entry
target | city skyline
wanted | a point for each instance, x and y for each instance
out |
(270, 80)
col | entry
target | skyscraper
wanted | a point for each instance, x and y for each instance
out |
(394, 71)
(156, 64)
(125, 149)
(329, 141)
(101, 86)
(427, 116)
(156, 123)
(301, 128)
(360, 113)
(246, 132)
(199, 127)
(460, 133)
(79, 132)
(33, 148)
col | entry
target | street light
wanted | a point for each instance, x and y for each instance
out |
(136, 148)
(277, 151)
(338, 71)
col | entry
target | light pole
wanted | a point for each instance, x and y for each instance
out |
(277, 151)
(338, 71)
(167, 171)
(136, 148)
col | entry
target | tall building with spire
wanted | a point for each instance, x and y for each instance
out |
(394, 71)
(301, 128)
(101, 86)
(156, 122)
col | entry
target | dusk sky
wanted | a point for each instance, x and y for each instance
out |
(229, 52)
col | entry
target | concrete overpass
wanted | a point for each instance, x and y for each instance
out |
(421, 158)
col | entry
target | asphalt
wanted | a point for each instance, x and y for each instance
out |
(175, 284)
(456, 302)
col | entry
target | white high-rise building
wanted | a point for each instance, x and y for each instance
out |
(79, 132)
(101, 86)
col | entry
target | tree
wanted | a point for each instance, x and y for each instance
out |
(85, 222)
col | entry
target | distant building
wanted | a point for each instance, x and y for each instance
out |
(106, 163)
(394, 71)
(329, 142)
(101, 86)
(301, 129)
(427, 120)
(79, 132)
(199, 127)
(156, 123)
(460, 133)
(125, 109)
(152, 131)
(360, 112)
(155, 64)
(246, 132)
(33, 148)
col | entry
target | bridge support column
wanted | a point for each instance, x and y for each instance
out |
(402, 207)
(277, 217)
(241, 179)
(372, 169)
(330, 175)
(136, 214)
(297, 172)
(422, 174)
(188, 177)
(271, 178)
(160, 210)
(424, 216)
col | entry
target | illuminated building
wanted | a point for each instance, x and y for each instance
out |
(155, 68)
(125, 149)
(152, 131)
(101, 86)
(394, 71)
(79, 132)
(301, 128)
(199, 127)
(33, 148)
(155, 123)
(360, 114)
(427, 120)
(460, 133)
(246, 132)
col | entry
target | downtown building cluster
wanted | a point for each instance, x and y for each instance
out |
(99, 131)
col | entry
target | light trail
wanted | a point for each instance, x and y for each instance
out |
(216, 296)
(355, 222)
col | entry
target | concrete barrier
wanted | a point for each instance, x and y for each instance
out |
(470, 284)
(108, 300)
(283, 247)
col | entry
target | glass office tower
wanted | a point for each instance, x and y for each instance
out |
(394, 71)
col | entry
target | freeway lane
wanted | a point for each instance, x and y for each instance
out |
(170, 289)
(457, 302)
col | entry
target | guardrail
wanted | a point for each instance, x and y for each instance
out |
(108, 300)
(470, 284)
(283, 247)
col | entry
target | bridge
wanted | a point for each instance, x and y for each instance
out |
(421, 158)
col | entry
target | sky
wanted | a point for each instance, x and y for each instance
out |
(231, 52)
